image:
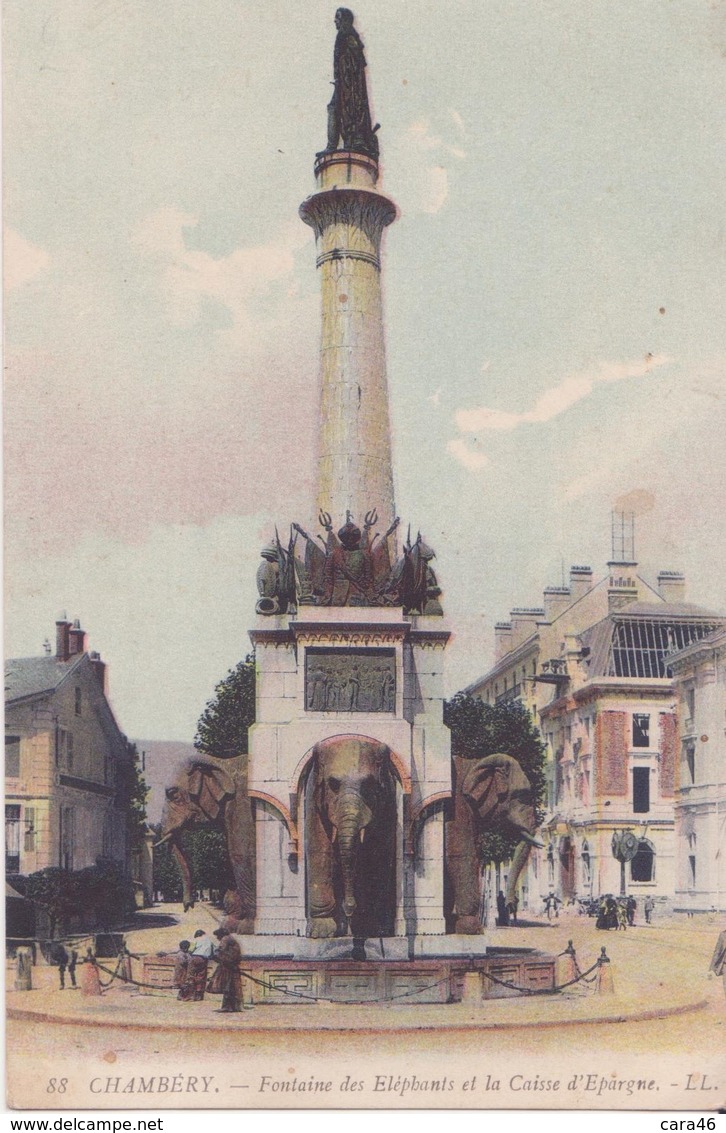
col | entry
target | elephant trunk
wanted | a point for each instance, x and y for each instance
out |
(354, 818)
(186, 873)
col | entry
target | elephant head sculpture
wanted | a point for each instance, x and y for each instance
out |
(492, 793)
(350, 826)
(207, 792)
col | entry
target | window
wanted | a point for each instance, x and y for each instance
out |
(29, 819)
(691, 703)
(12, 839)
(586, 870)
(69, 750)
(692, 861)
(641, 790)
(79, 701)
(641, 730)
(691, 763)
(107, 836)
(642, 867)
(12, 757)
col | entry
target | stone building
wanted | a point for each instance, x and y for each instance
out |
(699, 674)
(67, 763)
(590, 665)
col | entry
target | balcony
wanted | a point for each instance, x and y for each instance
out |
(553, 672)
(513, 693)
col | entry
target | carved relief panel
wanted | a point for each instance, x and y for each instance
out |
(350, 680)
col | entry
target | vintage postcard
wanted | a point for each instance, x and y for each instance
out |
(365, 612)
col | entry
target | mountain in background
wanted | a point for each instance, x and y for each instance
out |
(160, 763)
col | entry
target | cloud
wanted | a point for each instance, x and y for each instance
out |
(22, 260)
(426, 159)
(470, 458)
(558, 399)
(188, 276)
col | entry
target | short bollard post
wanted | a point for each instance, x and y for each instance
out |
(471, 989)
(566, 968)
(90, 975)
(605, 982)
(23, 970)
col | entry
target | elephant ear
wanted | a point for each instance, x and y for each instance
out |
(487, 784)
(210, 787)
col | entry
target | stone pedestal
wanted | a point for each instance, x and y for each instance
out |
(405, 656)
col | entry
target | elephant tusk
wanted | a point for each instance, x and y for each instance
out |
(362, 834)
(163, 840)
(525, 837)
(334, 835)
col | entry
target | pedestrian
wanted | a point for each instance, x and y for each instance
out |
(503, 915)
(512, 907)
(648, 908)
(181, 967)
(201, 954)
(718, 961)
(622, 915)
(631, 907)
(66, 958)
(227, 977)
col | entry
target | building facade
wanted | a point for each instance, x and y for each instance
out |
(699, 674)
(591, 667)
(67, 764)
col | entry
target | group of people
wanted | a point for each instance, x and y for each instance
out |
(191, 969)
(619, 913)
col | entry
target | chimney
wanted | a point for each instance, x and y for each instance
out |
(555, 600)
(502, 639)
(622, 585)
(77, 639)
(99, 669)
(524, 623)
(580, 581)
(62, 640)
(672, 585)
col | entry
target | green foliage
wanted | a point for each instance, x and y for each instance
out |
(206, 851)
(136, 793)
(479, 729)
(100, 895)
(223, 726)
(167, 879)
(51, 889)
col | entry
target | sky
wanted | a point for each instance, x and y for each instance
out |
(553, 291)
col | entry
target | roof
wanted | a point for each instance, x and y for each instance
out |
(635, 640)
(31, 676)
(664, 611)
(713, 641)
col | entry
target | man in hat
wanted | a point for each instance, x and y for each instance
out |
(228, 979)
(201, 954)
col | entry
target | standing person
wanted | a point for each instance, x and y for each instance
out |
(66, 958)
(621, 913)
(632, 906)
(181, 968)
(503, 915)
(201, 954)
(512, 907)
(229, 981)
(648, 908)
(718, 960)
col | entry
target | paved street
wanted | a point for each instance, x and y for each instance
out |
(657, 969)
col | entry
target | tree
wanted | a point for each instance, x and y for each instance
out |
(225, 722)
(206, 850)
(479, 729)
(167, 879)
(137, 792)
(52, 890)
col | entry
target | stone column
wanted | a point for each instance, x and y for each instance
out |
(348, 215)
